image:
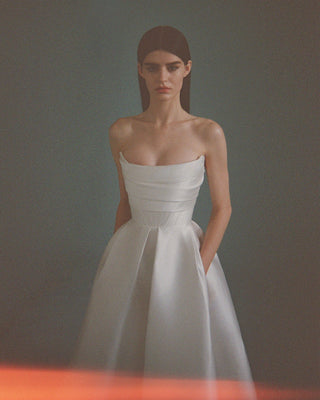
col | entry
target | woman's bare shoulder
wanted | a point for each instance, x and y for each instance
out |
(120, 126)
(207, 123)
(119, 132)
(209, 129)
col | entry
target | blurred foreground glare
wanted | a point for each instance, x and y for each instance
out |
(38, 384)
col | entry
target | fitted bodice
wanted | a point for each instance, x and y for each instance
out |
(162, 195)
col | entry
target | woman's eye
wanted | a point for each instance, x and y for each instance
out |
(153, 69)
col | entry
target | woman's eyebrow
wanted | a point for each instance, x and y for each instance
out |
(154, 64)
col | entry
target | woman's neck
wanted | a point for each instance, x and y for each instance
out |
(162, 113)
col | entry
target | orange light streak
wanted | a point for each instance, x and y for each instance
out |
(65, 384)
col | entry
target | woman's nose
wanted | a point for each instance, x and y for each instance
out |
(163, 74)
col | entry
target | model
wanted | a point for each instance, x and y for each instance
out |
(160, 303)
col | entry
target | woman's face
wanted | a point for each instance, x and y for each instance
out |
(161, 69)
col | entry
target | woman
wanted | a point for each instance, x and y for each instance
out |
(160, 303)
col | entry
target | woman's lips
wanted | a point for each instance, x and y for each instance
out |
(162, 89)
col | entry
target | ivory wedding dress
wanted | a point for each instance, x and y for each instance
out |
(152, 308)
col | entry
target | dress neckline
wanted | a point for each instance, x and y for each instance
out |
(122, 158)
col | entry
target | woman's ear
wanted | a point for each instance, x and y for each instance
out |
(187, 68)
(140, 70)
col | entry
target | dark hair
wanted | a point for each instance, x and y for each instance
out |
(170, 39)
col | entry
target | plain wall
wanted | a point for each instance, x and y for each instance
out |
(68, 71)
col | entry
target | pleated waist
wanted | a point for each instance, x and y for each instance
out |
(161, 218)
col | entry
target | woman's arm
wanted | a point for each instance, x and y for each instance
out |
(218, 179)
(123, 214)
(116, 140)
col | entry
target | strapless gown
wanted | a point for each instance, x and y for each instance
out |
(152, 307)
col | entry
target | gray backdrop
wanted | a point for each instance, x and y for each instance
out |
(68, 70)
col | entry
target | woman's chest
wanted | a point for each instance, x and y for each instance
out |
(153, 148)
